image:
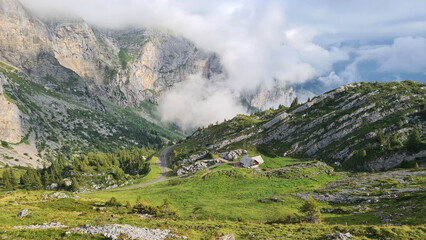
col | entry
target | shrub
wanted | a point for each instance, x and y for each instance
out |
(4, 144)
(311, 210)
(164, 210)
(113, 203)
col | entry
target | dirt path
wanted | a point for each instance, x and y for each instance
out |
(162, 163)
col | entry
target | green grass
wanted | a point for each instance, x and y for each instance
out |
(152, 175)
(77, 212)
(223, 194)
(276, 162)
(124, 57)
(210, 203)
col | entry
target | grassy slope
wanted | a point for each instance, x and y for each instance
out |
(386, 97)
(152, 175)
(127, 124)
(224, 193)
(217, 199)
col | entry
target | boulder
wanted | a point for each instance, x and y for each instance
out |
(228, 237)
(23, 213)
(52, 186)
(342, 236)
(232, 155)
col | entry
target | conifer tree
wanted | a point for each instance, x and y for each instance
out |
(74, 185)
(6, 180)
(13, 179)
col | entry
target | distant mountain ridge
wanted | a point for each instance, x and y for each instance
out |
(357, 126)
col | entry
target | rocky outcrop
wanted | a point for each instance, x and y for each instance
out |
(228, 237)
(43, 226)
(55, 195)
(388, 162)
(233, 155)
(117, 231)
(23, 213)
(264, 98)
(366, 189)
(342, 236)
(200, 165)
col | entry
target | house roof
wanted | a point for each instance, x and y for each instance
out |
(259, 159)
(247, 161)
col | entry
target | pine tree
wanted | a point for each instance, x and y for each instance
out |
(380, 137)
(416, 166)
(295, 102)
(74, 185)
(6, 180)
(414, 141)
(395, 142)
(13, 180)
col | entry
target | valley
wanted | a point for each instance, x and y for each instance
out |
(183, 120)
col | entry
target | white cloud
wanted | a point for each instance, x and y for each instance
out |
(404, 55)
(198, 102)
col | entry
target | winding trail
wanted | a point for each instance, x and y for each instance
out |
(162, 163)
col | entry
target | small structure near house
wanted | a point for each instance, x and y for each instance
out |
(251, 162)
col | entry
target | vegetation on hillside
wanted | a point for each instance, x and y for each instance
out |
(354, 125)
(62, 123)
(73, 173)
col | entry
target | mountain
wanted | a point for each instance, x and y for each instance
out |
(69, 87)
(357, 126)
(126, 66)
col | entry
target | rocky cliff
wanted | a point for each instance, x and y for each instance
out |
(126, 67)
(357, 126)
(11, 125)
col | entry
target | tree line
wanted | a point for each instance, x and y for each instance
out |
(70, 172)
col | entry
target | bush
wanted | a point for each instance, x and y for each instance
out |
(113, 203)
(311, 210)
(4, 144)
(164, 210)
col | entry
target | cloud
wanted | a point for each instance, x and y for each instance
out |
(262, 42)
(406, 55)
(198, 102)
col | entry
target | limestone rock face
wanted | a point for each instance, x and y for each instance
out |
(264, 98)
(75, 46)
(126, 67)
(23, 37)
(10, 118)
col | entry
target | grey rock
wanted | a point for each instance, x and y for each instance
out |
(200, 165)
(23, 213)
(43, 226)
(52, 186)
(228, 237)
(233, 155)
(342, 236)
(55, 195)
(116, 230)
